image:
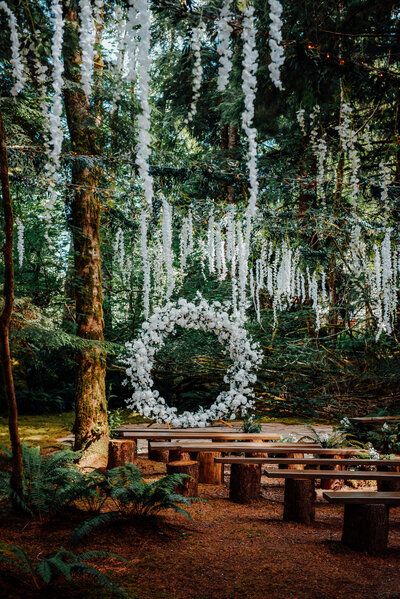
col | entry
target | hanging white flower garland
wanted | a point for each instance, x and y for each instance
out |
(249, 86)
(16, 56)
(20, 241)
(143, 65)
(55, 111)
(140, 356)
(145, 263)
(223, 48)
(275, 43)
(197, 72)
(87, 37)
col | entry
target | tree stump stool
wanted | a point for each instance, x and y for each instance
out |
(121, 452)
(389, 485)
(299, 501)
(158, 455)
(178, 455)
(332, 483)
(245, 483)
(189, 487)
(292, 466)
(209, 472)
(366, 527)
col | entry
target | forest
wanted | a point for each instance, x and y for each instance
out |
(199, 221)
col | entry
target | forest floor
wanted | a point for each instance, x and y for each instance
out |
(227, 551)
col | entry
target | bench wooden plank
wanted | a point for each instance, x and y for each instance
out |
(307, 461)
(234, 446)
(375, 419)
(370, 497)
(337, 474)
(198, 435)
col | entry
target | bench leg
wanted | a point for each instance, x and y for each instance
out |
(299, 501)
(366, 527)
(245, 483)
(209, 472)
(158, 455)
(189, 487)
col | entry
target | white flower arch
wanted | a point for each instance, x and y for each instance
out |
(140, 355)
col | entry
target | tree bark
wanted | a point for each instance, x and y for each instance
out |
(366, 527)
(91, 426)
(189, 487)
(5, 319)
(245, 483)
(299, 500)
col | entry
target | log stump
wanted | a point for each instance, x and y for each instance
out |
(209, 472)
(389, 485)
(299, 501)
(189, 487)
(366, 527)
(158, 455)
(178, 455)
(121, 452)
(332, 483)
(245, 483)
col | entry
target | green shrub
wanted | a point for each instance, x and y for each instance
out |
(50, 483)
(337, 438)
(133, 497)
(251, 424)
(62, 565)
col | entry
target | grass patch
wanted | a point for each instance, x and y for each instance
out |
(43, 430)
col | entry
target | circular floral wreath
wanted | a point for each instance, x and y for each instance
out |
(140, 355)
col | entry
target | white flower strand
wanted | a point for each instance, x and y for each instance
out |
(87, 38)
(249, 87)
(145, 262)
(300, 115)
(131, 42)
(144, 64)
(140, 354)
(223, 48)
(119, 248)
(20, 241)
(55, 111)
(167, 247)
(16, 55)
(275, 43)
(197, 72)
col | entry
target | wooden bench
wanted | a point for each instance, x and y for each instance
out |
(366, 518)
(299, 496)
(161, 455)
(211, 472)
(245, 479)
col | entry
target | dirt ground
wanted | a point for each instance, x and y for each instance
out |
(227, 551)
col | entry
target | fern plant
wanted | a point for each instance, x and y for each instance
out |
(336, 439)
(251, 424)
(133, 497)
(62, 565)
(50, 483)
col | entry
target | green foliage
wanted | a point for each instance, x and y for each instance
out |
(335, 439)
(115, 420)
(51, 483)
(63, 567)
(133, 497)
(251, 424)
(385, 439)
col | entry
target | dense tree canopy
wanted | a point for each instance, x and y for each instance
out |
(81, 249)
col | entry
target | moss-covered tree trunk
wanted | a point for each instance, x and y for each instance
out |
(91, 428)
(5, 319)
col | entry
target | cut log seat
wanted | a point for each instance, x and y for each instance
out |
(189, 487)
(121, 452)
(245, 483)
(366, 518)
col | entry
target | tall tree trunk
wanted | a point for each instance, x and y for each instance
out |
(91, 427)
(5, 319)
